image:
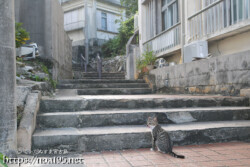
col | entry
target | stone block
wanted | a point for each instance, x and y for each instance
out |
(28, 122)
(21, 95)
(245, 92)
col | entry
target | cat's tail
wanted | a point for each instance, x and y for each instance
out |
(176, 156)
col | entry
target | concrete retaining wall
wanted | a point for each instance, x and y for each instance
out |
(44, 20)
(223, 74)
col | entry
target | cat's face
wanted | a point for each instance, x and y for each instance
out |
(152, 122)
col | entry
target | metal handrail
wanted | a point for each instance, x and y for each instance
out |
(99, 65)
(83, 62)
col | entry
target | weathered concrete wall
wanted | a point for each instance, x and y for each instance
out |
(31, 14)
(132, 53)
(231, 45)
(174, 58)
(223, 74)
(8, 127)
(44, 20)
(61, 44)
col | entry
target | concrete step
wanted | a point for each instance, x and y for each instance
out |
(114, 91)
(139, 117)
(98, 81)
(106, 102)
(136, 136)
(104, 85)
(95, 74)
(108, 77)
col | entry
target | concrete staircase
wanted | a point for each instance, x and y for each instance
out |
(110, 84)
(109, 122)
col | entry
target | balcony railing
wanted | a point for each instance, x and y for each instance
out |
(217, 17)
(74, 26)
(166, 40)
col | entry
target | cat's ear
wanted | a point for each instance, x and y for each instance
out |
(155, 118)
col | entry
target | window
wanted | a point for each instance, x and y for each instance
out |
(169, 13)
(234, 10)
(73, 20)
(104, 21)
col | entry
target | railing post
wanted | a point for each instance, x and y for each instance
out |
(99, 65)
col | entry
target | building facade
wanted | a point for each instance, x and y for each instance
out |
(102, 16)
(173, 24)
(218, 31)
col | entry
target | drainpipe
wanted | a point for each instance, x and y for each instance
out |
(182, 29)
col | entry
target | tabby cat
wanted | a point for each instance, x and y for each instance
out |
(160, 138)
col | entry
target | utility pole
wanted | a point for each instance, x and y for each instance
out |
(8, 118)
(86, 35)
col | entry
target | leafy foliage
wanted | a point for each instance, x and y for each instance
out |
(131, 7)
(140, 64)
(2, 161)
(148, 58)
(117, 45)
(21, 35)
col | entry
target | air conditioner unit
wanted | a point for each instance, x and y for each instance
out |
(197, 49)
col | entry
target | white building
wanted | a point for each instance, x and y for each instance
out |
(102, 16)
(168, 26)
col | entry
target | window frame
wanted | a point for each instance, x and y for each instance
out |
(175, 15)
(104, 16)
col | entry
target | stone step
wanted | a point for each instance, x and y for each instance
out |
(106, 102)
(94, 74)
(139, 117)
(114, 91)
(98, 81)
(91, 75)
(103, 85)
(137, 136)
(108, 77)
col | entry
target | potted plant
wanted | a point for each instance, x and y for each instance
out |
(149, 59)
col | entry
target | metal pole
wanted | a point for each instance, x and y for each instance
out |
(86, 35)
(183, 29)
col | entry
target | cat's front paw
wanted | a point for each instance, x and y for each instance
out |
(152, 149)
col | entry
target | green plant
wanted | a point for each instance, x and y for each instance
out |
(2, 160)
(21, 35)
(140, 64)
(131, 6)
(45, 69)
(117, 45)
(53, 83)
(149, 57)
(37, 78)
(19, 59)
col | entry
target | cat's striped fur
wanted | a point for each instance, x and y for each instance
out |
(160, 138)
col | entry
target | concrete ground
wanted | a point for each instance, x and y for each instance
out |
(233, 154)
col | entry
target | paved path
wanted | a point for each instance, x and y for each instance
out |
(233, 154)
(208, 155)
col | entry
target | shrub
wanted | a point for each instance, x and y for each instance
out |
(2, 160)
(21, 35)
(149, 57)
(117, 45)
